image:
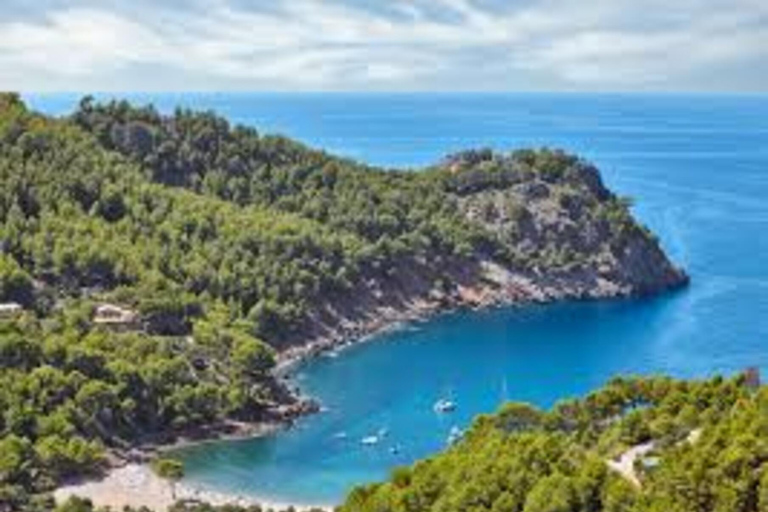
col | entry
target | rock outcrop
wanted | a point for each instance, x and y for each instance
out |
(559, 234)
(568, 234)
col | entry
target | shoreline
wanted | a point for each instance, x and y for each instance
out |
(129, 469)
(501, 289)
(136, 485)
(129, 481)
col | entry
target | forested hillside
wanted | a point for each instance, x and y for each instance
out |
(153, 267)
(382, 237)
(704, 449)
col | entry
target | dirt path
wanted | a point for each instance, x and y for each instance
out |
(625, 466)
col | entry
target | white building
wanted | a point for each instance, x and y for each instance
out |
(109, 314)
(10, 309)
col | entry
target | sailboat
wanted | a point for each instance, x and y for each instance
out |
(455, 435)
(444, 405)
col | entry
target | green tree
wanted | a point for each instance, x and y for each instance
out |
(762, 505)
(251, 357)
(169, 469)
(75, 504)
(14, 457)
(15, 283)
(554, 493)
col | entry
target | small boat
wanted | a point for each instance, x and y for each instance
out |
(394, 450)
(444, 405)
(382, 433)
(340, 435)
(370, 440)
(455, 435)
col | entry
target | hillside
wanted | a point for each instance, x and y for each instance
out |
(532, 225)
(154, 268)
(700, 446)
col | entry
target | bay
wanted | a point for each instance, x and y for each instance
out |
(697, 167)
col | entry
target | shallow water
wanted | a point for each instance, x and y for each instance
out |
(697, 167)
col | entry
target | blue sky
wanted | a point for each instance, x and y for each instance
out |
(390, 45)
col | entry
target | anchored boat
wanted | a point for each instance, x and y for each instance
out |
(444, 405)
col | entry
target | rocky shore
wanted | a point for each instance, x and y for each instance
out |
(565, 236)
(498, 287)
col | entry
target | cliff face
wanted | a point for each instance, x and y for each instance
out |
(565, 232)
(559, 234)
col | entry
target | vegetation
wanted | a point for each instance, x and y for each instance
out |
(220, 245)
(169, 469)
(526, 460)
(177, 215)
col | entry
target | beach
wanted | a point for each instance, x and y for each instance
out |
(135, 485)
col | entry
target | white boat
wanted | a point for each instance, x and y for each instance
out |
(455, 435)
(370, 440)
(444, 405)
(340, 435)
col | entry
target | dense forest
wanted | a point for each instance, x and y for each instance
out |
(153, 267)
(705, 450)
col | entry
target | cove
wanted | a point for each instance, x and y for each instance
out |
(533, 353)
(697, 167)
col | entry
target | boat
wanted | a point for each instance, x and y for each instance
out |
(340, 435)
(444, 405)
(455, 435)
(370, 440)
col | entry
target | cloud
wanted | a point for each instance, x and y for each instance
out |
(395, 45)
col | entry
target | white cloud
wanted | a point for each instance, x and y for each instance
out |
(410, 44)
(78, 41)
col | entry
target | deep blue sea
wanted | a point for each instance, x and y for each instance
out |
(697, 167)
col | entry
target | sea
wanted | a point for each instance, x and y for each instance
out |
(696, 167)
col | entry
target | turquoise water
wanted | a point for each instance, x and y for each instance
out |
(698, 169)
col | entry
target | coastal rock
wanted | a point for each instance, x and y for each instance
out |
(559, 234)
(573, 237)
(532, 191)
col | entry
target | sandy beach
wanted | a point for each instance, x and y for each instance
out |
(135, 485)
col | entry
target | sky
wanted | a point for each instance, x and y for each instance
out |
(384, 45)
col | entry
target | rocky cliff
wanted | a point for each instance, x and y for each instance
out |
(559, 233)
(564, 230)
